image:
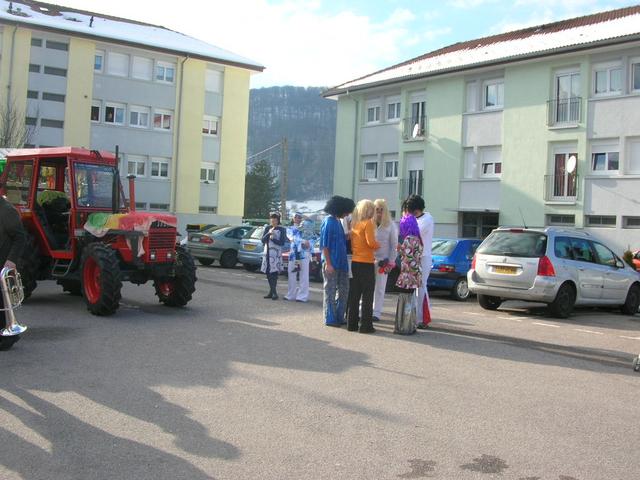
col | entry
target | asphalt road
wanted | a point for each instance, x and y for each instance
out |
(238, 387)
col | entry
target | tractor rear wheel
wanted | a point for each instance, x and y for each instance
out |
(178, 290)
(101, 280)
(29, 266)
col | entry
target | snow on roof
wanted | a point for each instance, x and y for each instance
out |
(512, 46)
(117, 30)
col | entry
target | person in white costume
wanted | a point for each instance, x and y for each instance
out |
(415, 205)
(385, 255)
(299, 258)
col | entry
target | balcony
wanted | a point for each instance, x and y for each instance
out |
(414, 128)
(561, 188)
(564, 112)
(410, 186)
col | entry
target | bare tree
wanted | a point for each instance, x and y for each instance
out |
(14, 130)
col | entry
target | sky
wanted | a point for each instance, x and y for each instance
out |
(328, 42)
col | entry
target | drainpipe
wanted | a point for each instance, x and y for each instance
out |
(174, 189)
(355, 146)
(13, 46)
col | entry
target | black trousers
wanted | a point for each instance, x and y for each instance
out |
(362, 287)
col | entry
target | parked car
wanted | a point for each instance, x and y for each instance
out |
(315, 265)
(217, 243)
(559, 267)
(451, 259)
(252, 249)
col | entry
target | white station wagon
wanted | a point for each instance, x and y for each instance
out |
(559, 267)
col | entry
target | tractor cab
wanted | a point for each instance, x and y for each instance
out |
(47, 185)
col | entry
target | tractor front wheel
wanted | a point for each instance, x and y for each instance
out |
(101, 280)
(176, 291)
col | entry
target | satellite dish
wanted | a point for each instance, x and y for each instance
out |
(571, 164)
(416, 130)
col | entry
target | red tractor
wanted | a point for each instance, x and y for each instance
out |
(82, 233)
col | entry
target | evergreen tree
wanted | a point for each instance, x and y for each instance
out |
(260, 192)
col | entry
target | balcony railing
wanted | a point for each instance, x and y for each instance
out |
(414, 128)
(564, 111)
(561, 188)
(408, 187)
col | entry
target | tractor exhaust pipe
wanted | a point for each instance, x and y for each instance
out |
(115, 194)
(132, 192)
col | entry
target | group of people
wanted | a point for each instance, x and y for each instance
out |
(360, 246)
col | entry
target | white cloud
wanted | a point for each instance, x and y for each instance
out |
(297, 42)
(467, 4)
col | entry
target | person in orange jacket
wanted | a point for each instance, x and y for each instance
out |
(363, 246)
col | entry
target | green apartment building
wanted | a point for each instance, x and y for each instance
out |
(539, 126)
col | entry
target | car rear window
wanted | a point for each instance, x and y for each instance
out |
(443, 247)
(514, 243)
(257, 233)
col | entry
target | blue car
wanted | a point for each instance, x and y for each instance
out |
(451, 259)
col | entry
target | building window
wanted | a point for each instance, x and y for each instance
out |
(206, 209)
(136, 165)
(98, 61)
(36, 42)
(630, 222)
(142, 68)
(490, 162)
(60, 72)
(96, 105)
(633, 160)
(159, 167)
(32, 94)
(393, 109)
(165, 72)
(114, 113)
(493, 94)
(53, 97)
(118, 64)
(141, 205)
(208, 173)
(33, 68)
(370, 170)
(139, 116)
(635, 76)
(373, 112)
(601, 221)
(213, 80)
(162, 119)
(605, 161)
(607, 79)
(57, 45)
(47, 122)
(561, 220)
(31, 121)
(390, 169)
(159, 206)
(210, 125)
(565, 108)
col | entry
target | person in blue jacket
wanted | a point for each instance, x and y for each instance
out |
(335, 268)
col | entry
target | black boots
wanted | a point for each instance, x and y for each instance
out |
(272, 278)
(366, 326)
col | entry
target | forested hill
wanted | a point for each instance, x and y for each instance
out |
(308, 121)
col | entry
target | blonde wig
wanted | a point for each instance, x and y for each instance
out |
(385, 221)
(364, 211)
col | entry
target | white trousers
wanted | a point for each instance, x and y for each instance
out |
(378, 296)
(298, 290)
(422, 291)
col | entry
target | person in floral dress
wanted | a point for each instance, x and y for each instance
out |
(410, 251)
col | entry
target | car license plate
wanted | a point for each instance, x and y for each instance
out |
(194, 239)
(505, 270)
(249, 247)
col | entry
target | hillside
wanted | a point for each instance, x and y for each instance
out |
(308, 121)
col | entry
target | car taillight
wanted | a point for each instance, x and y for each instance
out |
(473, 263)
(208, 240)
(545, 267)
(446, 268)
